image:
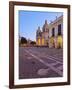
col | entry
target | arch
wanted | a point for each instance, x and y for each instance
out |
(53, 31)
(59, 29)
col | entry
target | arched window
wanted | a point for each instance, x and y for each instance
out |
(53, 31)
(59, 29)
(47, 30)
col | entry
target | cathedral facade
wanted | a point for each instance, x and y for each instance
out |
(51, 34)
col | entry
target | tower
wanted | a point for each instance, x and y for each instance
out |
(38, 37)
(45, 33)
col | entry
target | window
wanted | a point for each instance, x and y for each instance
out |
(53, 32)
(47, 30)
(59, 29)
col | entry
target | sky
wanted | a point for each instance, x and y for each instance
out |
(30, 20)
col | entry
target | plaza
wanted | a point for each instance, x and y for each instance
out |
(40, 62)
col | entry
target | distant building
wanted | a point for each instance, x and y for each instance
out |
(29, 41)
(51, 34)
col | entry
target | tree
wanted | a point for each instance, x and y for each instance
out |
(23, 40)
(33, 42)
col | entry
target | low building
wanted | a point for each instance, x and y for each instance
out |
(51, 34)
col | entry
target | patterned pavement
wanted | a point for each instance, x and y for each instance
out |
(40, 62)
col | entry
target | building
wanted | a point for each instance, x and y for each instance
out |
(51, 34)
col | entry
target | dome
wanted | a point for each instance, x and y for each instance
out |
(45, 21)
(38, 33)
(38, 30)
(45, 26)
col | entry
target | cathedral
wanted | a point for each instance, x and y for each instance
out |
(51, 34)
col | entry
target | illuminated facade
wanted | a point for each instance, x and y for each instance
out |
(51, 34)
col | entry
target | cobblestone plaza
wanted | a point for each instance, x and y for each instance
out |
(40, 62)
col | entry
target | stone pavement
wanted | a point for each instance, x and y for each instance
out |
(40, 62)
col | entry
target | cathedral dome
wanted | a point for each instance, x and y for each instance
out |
(45, 26)
(38, 33)
(38, 30)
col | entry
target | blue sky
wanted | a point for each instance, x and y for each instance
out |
(30, 20)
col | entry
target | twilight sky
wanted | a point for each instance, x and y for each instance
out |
(30, 20)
